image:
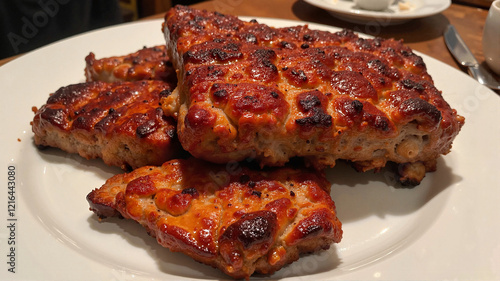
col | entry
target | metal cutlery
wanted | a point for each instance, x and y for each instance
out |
(464, 56)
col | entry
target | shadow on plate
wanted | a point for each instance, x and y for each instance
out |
(167, 261)
(97, 166)
(178, 264)
(360, 195)
(410, 32)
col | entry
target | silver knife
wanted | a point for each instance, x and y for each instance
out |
(465, 57)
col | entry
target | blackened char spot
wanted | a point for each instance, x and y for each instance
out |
(318, 222)
(249, 38)
(381, 123)
(286, 45)
(146, 128)
(256, 193)
(364, 44)
(214, 50)
(357, 106)
(312, 230)
(309, 102)
(165, 93)
(299, 74)
(252, 229)
(410, 84)
(262, 67)
(55, 116)
(82, 123)
(318, 119)
(220, 94)
(425, 113)
(191, 191)
(380, 67)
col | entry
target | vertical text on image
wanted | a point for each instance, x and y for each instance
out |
(11, 223)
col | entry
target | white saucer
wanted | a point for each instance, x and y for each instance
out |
(347, 10)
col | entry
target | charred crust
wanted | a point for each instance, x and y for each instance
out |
(147, 128)
(318, 223)
(191, 191)
(299, 74)
(425, 113)
(264, 54)
(286, 45)
(319, 118)
(357, 106)
(56, 116)
(381, 123)
(220, 94)
(256, 193)
(165, 93)
(252, 229)
(100, 206)
(262, 67)
(249, 38)
(410, 84)
(214, 50)
(308, 101)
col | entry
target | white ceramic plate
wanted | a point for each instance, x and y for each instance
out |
(347, 10)
(446, 228)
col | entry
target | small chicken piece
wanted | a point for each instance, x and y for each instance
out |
(146, 64)
(247, 90)
(238, 220)
(122, 123)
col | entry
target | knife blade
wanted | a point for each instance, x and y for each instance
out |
(458, 48)
(464, 56)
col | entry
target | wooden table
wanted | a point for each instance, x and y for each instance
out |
(424, 35)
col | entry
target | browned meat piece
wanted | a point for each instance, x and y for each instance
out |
(122, 123)
(250, 90)
(241, 222)
(146, 64)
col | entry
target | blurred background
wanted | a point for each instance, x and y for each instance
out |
(28, 24)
